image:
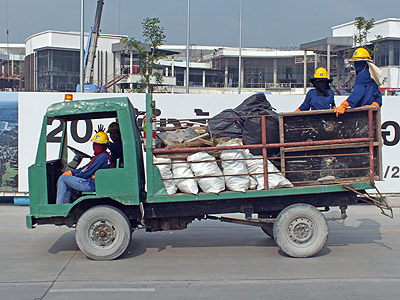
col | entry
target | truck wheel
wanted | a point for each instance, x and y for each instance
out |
(103, 232)
(300, 230)
(268, 230)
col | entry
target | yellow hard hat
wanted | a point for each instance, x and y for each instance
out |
(113, 127)
(100, 138)
(321, 73)
(361, 54)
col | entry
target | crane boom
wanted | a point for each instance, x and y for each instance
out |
(92, 43)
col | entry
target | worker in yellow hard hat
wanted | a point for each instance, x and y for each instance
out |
(366, 90)
(83, 179)
(321, 96)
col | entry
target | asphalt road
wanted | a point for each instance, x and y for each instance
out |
(209, 260)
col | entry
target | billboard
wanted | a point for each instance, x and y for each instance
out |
(9, 142)
(32, 107)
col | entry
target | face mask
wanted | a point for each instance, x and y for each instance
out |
(99, 148)
(359, 66)
(322, 86)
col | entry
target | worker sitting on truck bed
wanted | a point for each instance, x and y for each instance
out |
(82, 179)
(365, 91)
(321, 97)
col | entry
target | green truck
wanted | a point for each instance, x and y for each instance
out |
(330, 161)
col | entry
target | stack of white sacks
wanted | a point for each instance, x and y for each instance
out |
(201, 169)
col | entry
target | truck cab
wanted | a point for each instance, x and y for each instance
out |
(123, 185)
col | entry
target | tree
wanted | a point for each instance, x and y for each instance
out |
(363, 27)
(149, 67)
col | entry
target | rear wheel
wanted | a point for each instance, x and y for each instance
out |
(300, 230)
(103, 232)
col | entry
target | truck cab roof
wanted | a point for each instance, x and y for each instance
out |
(88, 109)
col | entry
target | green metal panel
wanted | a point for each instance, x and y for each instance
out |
(37, 178)
(155, 186)
(118, 184)
(257, 194)
(29, 223)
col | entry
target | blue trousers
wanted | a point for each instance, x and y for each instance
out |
(68, 183)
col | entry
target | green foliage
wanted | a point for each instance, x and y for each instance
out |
(148, 59)
(363, 27)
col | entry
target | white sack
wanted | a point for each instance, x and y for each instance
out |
(180, 168)
(232, 165)
(166, 174)
(208, 184)
(253, 183)
(275, 180)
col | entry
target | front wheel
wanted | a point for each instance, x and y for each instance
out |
(103, 232)
(300, 230)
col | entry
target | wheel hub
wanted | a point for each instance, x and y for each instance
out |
(102, 233)
(301, 230)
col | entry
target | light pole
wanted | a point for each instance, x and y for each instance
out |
(240, 48)
(187, 47)
(82, 67)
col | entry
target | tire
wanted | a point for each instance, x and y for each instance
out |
(300, 230)
(268, 230)
(103, 232)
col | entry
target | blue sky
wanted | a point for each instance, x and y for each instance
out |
(279, 23)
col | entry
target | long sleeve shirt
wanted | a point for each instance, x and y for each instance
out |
(365, 91)
(101, 161)
(316, 102)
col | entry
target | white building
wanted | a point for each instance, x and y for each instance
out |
(53, 61)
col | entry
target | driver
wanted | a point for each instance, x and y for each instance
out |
(82, 179)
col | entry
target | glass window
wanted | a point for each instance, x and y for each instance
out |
(58, 70)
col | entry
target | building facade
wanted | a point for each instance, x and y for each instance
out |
(52, 61)
(12, 64)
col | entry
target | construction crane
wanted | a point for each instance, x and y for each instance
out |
(90, 53)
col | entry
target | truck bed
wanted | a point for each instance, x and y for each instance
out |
(319, 153)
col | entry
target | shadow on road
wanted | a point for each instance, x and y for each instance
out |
(197, 238)
(367, 232)
(65, 243)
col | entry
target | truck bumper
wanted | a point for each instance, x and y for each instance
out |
(29, 221)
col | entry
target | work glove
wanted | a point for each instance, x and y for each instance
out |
(298, 109)
(100, 127)
(374, 104)
(340, 109)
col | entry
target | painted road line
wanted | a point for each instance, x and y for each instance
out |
(102, 290)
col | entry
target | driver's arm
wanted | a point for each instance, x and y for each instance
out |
(87, 171)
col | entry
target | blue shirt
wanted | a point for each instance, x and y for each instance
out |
(100, 162)
(365, 91)
(316, 102)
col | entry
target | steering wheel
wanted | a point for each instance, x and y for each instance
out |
(79, 153)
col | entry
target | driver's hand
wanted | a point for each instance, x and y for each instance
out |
(100, 127)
